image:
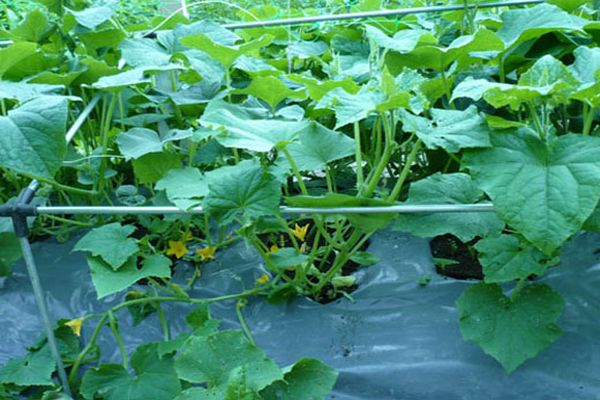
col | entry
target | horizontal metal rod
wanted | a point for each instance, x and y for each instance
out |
(375, 14)
(399, 209)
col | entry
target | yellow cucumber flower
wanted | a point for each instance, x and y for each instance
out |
(300, 231)
(177, 248)
(207, 253)
(75, 325)
(264, 278)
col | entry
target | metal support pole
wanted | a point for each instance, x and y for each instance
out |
(41, 304)
(375, 14)
(19, 212)
(399, 209)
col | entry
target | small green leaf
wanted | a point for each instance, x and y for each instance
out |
(152, 167)
(317, 146)
(108, 281)
(155, 378)
(225, 54)
(510, 331)
(185, 187)
(364, 258)
(214, 359)
(505, 259)
(270, 89)
(587, 63)
(348, 107)
(305, 49)
(34, 369)
(307, 379)
(137, 142)
(242, 190)
(545, 190)
(317, 89)
(111, 242)
(457, 188)
(288, 257)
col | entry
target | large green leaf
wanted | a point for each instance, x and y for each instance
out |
(545, 190)
(96, 14)
(155, 378)
(185, 187)
(455, 188)
(24, 91)
(137, 142)
(504, 258)
(242, 190)
(510, 331)
(307, 379)
(587, 63)
(10, 251)
(547, 78)
(108, 281)
(33, 369)
(33, 137)
(520, 25)
(462, 49)
(317, 89)
(33, 28)
(152, 167)
(450, 130)
(348, 107)
(14, 54)
(317, 146)
(271, 90)
(144, 52)
(111, 242)
(366, 222)
(214, 359)
(248, 128)
(225, 54)
(404, 41)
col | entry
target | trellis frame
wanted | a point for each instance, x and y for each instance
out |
(22, 208)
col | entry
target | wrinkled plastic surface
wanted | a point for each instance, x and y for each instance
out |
(396, 341)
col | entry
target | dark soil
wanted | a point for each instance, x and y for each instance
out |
(328, 293)
(451, 248)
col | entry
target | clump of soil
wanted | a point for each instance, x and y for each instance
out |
(454, 258)
(328, 293)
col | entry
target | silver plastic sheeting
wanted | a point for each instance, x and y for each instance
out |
(396, 341)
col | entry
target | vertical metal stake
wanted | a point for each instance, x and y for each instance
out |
(41, 303)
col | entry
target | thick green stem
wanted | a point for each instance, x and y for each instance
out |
(358, 153)
(238, 310)
(404, 174)
(588, 119)
(295, 171)
(518, 288)
(114, 327)
(385, 158)
(105, 136)
(89, 347)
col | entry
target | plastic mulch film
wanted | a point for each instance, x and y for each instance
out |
(396, 341)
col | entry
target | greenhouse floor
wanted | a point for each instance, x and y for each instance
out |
(398, 340)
